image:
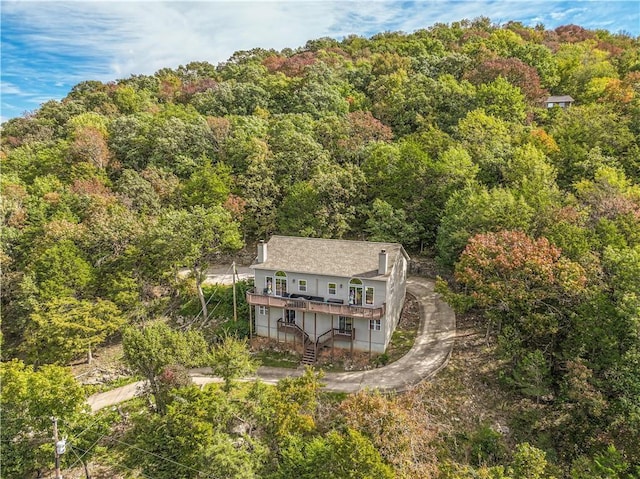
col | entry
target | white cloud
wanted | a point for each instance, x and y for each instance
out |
(10, 89)
(121, 37)
(63, 43)
(563, 14)
(141, 37)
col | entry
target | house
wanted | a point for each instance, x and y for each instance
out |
(324, 292)
(563, 101)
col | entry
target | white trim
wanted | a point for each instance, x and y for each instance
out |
(302, 285)
(366, 294)
(281, 286)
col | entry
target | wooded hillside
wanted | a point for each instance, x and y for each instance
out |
(439, 139)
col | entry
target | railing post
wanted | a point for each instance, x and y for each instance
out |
(353, 335)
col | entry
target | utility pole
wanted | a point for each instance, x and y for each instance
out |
(235, 304)
(59, 446)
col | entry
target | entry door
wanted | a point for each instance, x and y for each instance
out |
(345, 324)
(355, 295)
(281, 286)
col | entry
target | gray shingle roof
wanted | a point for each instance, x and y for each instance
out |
(328, 257)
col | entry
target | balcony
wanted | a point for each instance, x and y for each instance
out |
(255, 298)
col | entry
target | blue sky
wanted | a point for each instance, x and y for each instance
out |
(49, 46)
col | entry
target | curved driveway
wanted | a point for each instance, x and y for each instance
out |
(429, 354)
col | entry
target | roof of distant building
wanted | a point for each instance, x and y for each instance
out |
(560, 99)
(343, 258)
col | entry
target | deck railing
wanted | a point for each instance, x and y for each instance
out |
(327, 336)
(256, 298)
(284, 325)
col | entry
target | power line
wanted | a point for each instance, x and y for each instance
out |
(119, 465)
(161, 457)
(147, 452)
(84, 453)
(85, 429)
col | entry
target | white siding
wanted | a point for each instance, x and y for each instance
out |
(390, 293)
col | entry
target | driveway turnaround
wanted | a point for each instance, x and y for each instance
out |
(429, 354)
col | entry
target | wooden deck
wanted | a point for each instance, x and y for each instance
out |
(260, 299)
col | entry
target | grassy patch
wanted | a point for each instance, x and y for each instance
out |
(401, 342)
(278, 359)
(406, 332)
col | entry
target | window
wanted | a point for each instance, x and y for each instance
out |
(332, 287)
(368, 297)
(375, 324)
(263, 310)
(302, 285)
(268, 285)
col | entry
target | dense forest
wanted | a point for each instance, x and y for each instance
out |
(440, 140)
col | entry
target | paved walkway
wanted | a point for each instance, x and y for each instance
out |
(429, 354)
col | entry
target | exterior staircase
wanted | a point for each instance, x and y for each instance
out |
(311, 348)
(309, 356)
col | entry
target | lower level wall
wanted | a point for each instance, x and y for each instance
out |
(316, 324)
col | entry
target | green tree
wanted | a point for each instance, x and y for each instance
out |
(192, 238)
(319, 92)
(261, 192)
(451, 171)
(297, 156)
(582, 131)
(344, 455)
(529, 462)
(64, 328)
(384, 223)
(149, 350)
(290, 408)
(624, 423)
(578, 64)
(609, 464)
(489, 141)
(208, 186)
(396, 173)
(130, 100)
(29, 399)
(232, 360)
(475, 210)
(129, 140)
(297, 213)
(502, 100)
(231, 98)
(532, 375)
(137, 193)
(195, 439)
